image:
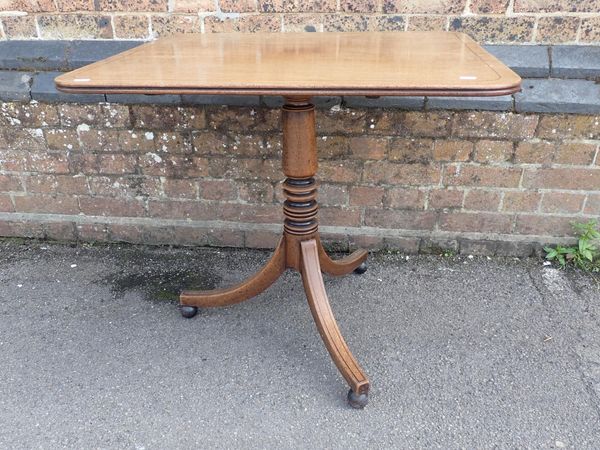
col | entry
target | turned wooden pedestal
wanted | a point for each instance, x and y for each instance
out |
(299, 248)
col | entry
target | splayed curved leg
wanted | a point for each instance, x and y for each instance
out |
(341, 266)
(326, 324)
(242, 291)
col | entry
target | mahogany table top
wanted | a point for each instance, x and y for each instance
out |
(369, 63)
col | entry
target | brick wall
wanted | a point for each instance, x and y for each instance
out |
(522, 21)
(479, 182)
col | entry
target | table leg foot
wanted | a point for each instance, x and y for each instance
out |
(189, 311)
(242, 291)
(357, 401)
(355, 262)
(326, 324)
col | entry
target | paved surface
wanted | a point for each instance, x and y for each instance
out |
(473, 353)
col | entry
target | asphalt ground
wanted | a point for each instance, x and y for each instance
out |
(461, 352)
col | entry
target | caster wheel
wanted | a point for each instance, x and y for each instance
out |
(361, 269)
(189, 311)
(357, 401)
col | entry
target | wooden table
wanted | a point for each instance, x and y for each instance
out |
(299, 66)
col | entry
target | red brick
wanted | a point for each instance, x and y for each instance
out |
(592, 205)
(423, 6)
(217, 190)
(174, 166)
(426, 23)
(46, 204)
(174, 24)
(333, 195)
(366, 242)
(131, 26)
(256, 192)
(13, 160)
(366, 196)
(116, 164)
(176, 188)
(555, 6)
(356, 6)
(364, 147)
(75, 26)
(342, 217)
(410, 123)
(244, 169)
(586, 179)
(188, 6)
(19, 27)
(487, 124)
(401, 174)
(23, 228)
(445, 198)
(126, 233)
(341, 121)
(453, 150)
(488, 6)
(10, 183)
(61, 140)
(226, 238)
(340, 171)
(168, 118)
(497, 29)
(330, 147)
(400, 219)
(28, 5)
(262, 239)
(173, 142)
(132, 5)
(475, 222)
(224, 144)
(297, 6)
(250, 213)
(125, 186)
(302, 22)
(25, 139)
(237, 6)
(60, 231)
(345, 22)
(482, 176)
(90, 232)
(56, 184)
(521, 201)
(236, 119)
(575, 153)
(400, 198)
(193, 210)
(478, 200)
(134, 141)
(47, 163)
(31, 114)
(111, 207)
(541, 152)
(386, 22)
(5, 204)
(569, 126)
(590, 30)
(411, 150)
(545, 225)
(560, 202)
(487, 151)
(557, 29)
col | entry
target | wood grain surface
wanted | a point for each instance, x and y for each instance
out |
(372, 63)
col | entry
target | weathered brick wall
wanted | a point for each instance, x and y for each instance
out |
(487, 182)
(547, 21)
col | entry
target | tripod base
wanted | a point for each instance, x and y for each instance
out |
(306, 255)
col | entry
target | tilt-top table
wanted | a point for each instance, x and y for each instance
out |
(299, 66)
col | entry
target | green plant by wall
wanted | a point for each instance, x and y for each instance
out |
(585, 255)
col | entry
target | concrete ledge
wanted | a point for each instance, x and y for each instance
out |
(565, 96)
(572, 61)
(15, 86)
(502, 103)
(529, 61)
(33, 55)
(43, 89)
